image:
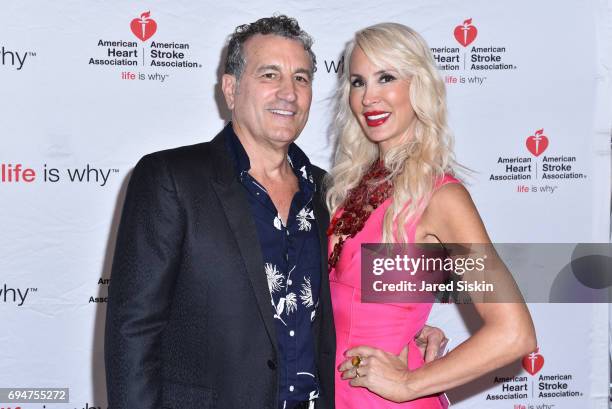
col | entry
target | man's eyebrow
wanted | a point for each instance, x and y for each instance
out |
(304, 71)
(268, 67)
(277, 68)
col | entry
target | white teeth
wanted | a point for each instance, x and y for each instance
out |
(379, 116)
(281, 112)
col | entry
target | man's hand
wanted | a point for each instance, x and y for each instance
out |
(431, 341)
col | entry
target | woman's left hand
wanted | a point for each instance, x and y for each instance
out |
(380, 372)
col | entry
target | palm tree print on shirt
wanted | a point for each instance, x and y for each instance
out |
(302, 217)
(306, 293)
(275, 278)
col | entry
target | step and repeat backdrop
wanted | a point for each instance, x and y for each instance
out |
(88, 87)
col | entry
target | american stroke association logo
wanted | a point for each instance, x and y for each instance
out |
(555, 386)
(144, 27)
(466, 58)
(466, 33)
(537, 387)
(140, 58)
(533, 362)
(537, 143)
(536, 168)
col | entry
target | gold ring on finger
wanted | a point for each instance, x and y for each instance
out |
(356, 361)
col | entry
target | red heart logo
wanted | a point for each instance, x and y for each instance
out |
(533, 362)
(144, 27)
(537, 144)
(465, 33)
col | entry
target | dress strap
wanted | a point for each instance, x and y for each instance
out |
(445, 180)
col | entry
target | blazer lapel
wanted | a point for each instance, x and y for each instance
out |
(322, 218)
(230, 193)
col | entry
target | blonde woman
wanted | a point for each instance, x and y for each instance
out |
(392, 181)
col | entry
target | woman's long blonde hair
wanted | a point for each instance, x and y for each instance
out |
(416, 164)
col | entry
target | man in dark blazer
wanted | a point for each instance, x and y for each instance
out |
(198, 316)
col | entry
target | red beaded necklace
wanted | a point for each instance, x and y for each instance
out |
(361, 201)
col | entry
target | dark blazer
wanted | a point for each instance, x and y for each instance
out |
(189, 321)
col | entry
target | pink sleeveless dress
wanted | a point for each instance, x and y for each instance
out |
(386, 326)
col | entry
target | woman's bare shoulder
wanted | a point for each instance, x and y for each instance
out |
(452, 217)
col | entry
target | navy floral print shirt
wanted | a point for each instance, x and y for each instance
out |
(292, 264)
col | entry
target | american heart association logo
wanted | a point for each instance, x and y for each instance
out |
(533, 362)
(537, 144)
(466, 33)
(144, 27)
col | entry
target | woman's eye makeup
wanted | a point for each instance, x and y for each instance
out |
(383, 78)
(386, 77)
(356, 82)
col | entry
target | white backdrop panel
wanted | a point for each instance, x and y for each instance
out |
(81, 127)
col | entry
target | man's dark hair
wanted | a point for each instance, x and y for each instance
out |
(280, 25)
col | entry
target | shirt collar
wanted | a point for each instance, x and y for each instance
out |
(297, 159)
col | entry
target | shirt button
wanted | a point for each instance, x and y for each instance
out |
(271, 364)
(291, 333)
(289, 282)
(291, 388)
